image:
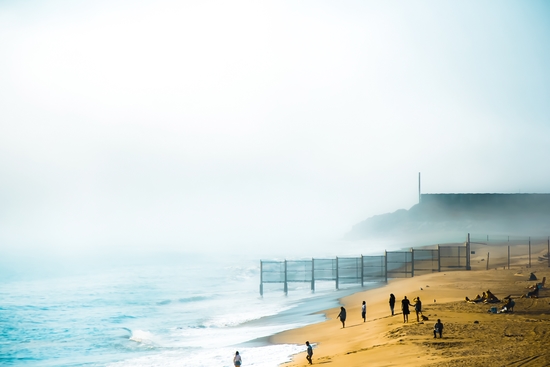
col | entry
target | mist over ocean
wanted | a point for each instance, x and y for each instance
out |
(194, 310)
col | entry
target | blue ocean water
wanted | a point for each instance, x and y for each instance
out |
(197, 311)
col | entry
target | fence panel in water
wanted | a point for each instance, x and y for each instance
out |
(272, 271)
(324, 269)
(349, 270)
(374, 269)
(299, 270)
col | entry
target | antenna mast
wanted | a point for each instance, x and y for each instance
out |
(419, 190)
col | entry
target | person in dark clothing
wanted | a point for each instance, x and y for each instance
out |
(392, 303)
(418, 308)
(405, 303)
(309, 353)
(342, 316)
(438, 328)
(364, 311)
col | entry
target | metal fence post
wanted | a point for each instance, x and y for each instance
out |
(529, 251)
(412, 262)
(438, 258)
(313, 275)
(286, 284)
(261, 278)
(362, 272)
(468, 254)
(386, 264)
(337, 279)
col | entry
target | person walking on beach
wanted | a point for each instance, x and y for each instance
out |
(309, 353)
(392, 303)
(418, 308)
(438, 328)
(237, 361)
(405, 303)
(342, 316)
(364, 311)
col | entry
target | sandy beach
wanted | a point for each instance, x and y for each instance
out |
(472, 336)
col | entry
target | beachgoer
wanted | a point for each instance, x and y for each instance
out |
(309, 353)
(405, 303)
(509, 305)
(438, 328)
(475, 300)
(490, 298)
(392, 302)
(342, 316)
(532, 294)
(418, 308)
(237, 361)
(364, 311)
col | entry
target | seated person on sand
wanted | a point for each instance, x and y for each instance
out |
(509, 306)
(532, 294)
(538, 285)
(491, 298)
(475, 300)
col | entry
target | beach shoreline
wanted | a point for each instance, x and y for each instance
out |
(471, 336)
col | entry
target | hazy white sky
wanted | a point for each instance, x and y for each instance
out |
(263, 124)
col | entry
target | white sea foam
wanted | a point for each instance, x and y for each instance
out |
(268, 356)
(142, 336)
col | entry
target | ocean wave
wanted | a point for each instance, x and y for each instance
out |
(195, 299)
(120, 318)
(142, 336)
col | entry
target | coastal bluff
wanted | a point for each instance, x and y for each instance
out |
(510, 214)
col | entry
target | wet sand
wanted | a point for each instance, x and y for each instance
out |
(472, 336)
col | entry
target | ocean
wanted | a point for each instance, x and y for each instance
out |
(195, 311)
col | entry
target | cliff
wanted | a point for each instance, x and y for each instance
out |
(453, 214)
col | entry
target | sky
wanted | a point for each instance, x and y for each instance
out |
(259, 126)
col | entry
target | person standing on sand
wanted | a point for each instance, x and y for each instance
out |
(438, 328)
(309, 353)
(342, 316)
(237, 361)
(392, 302)
(405, 303)
(418, 308)
(364, 311)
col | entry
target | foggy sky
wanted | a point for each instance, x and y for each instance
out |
(254, 126)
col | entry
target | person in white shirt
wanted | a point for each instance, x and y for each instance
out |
(237, 361)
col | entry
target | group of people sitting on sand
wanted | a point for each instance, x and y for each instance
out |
(487, 297)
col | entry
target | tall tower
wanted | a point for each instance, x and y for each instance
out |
(419, 189)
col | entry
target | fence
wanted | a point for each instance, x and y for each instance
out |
(358, 270)
(507, 251)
